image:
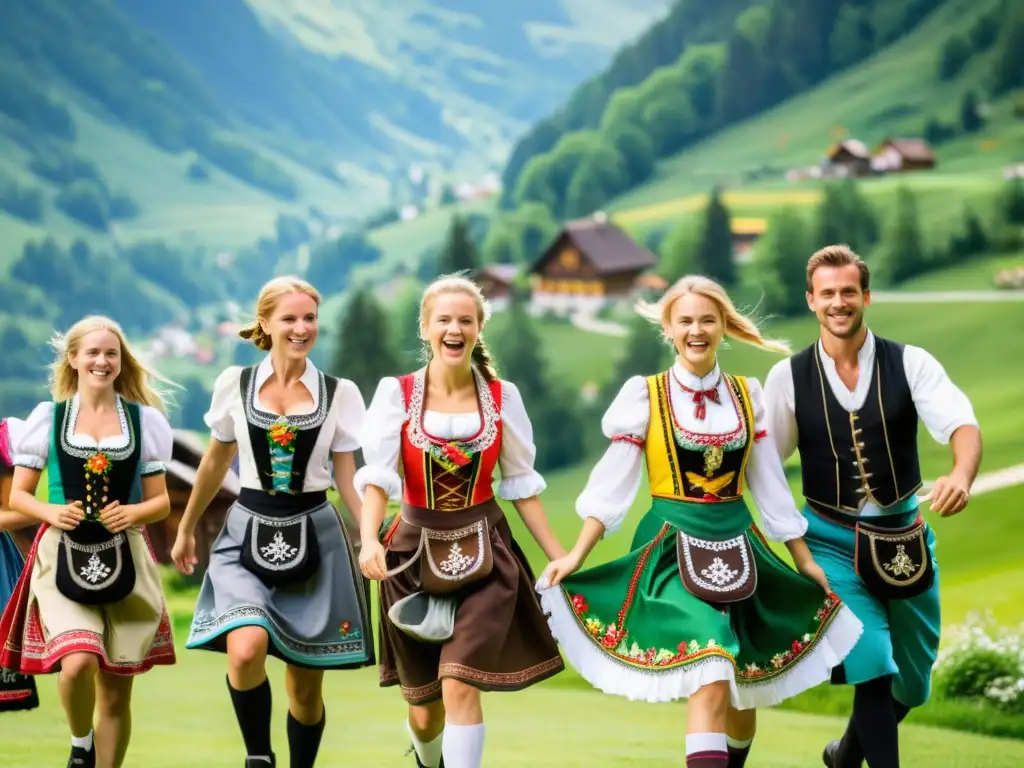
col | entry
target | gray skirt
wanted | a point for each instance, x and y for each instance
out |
(323, 623)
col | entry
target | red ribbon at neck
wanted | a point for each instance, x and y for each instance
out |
(700, 396)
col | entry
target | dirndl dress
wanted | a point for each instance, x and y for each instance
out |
(498, 638)
(700, 597)
(284, 560)
(17, 691)
(86, 590)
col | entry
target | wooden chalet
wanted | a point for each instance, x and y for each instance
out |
(895, 155)
(497, 282)
(852, 155)
(591, 261)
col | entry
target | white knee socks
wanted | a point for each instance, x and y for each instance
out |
(463, 745)
(82, 742)
(428, 752)
(707, 750)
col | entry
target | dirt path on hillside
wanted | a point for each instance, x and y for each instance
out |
(944, 297)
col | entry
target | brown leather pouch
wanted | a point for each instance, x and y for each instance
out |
(454, 559)
(717, 571)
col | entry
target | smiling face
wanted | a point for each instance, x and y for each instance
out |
(838, 300)
(696, 328)
(292, 326)
(97, 359)
(451, 327)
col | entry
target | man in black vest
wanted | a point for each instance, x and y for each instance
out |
(850, 404)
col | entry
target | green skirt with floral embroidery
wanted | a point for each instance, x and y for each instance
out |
(631, 628)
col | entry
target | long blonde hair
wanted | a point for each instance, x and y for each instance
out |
(270, 294)
(737, 325)
(134, 381)
(480, 356)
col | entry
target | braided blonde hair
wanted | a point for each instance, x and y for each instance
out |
(480, 356)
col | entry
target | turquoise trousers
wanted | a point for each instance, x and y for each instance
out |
(901, 637)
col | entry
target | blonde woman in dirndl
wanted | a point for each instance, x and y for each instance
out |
(700, 607)
(89, 603)
(459, 614)
(283, 579)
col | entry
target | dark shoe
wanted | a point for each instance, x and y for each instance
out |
(82, 758)
(261, 761)
(831, 756)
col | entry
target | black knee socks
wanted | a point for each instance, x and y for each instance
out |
(850, 752)
(252, 709)
(304, 741)
(873, 731)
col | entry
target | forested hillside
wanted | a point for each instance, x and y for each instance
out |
(703, 68)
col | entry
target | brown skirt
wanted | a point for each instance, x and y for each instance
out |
(501, 640)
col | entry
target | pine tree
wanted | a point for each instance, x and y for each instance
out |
(516, 348)
(970, 115)
(1012, 201)
(558, 427)
(903, 255)
(409, 345)
(863, 222)
(459, 254)
(832, 225)
(364, 352)
(782, 263)
(715, 254)
(844, 216)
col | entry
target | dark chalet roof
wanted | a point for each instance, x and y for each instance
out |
(607, 247)
(502, 273)
(911, 149)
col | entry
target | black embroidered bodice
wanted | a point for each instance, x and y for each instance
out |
(282, 445)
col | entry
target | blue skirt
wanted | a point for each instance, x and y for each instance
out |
(322, 624)
(17, 691)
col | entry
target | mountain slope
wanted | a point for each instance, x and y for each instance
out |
(896, 92)
(726, 63)
(489, 68)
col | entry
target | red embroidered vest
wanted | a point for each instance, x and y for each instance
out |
(448, 475)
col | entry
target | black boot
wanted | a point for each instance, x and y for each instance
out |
(82, 758)
(832, 755)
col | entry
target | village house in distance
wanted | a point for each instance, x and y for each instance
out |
(852, 157)
(591, 262)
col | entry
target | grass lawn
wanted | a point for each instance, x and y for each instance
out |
(975, 275)
(183, 719)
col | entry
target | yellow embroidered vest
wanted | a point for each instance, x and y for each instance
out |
(689, 466)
